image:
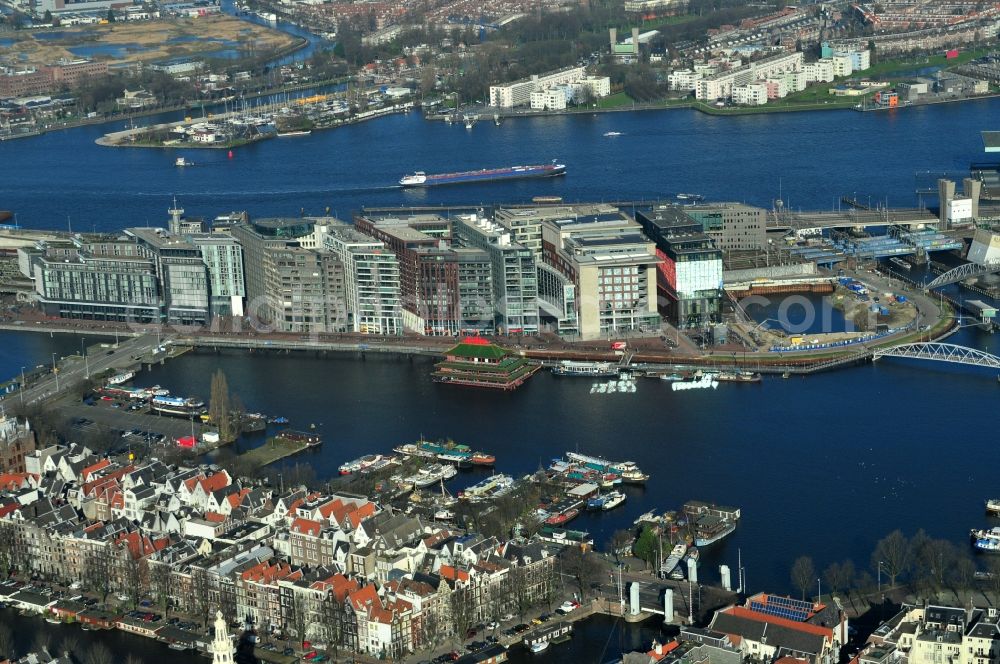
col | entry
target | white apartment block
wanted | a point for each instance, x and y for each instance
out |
(819, 71)
(552, 99)
(599, 86)
(683, 79)
(795, 81)
(842, 65)
(720, 86)
(518, 93)
(752, 94)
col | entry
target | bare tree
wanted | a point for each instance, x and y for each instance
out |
(9, 549)
(803, 574)
(162, 584)
(837, 577)
(462, 611)
(133, 659)
(585, 567)
(963, 573)
(99, 654)
(42, 641)
(201, 594)
(135, 571)
(97, 570)
(892, 553)
(299, 622)
(620, 541)
(993, 566)
(6, 641)
(70, 644)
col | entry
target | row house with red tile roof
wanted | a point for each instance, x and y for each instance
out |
(316, 544)
(197, 490)
(258, 595)
(383, 626)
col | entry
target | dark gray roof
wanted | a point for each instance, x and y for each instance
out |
(777, 636)
(945, 615)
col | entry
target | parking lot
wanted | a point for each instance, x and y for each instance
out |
(105, 419)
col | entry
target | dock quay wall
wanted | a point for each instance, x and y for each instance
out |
(769, 287)
(770, 272)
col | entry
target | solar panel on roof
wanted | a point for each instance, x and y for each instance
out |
(783, 607)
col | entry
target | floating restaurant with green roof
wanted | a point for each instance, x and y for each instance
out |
(478, 363)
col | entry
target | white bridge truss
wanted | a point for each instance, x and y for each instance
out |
(963, 272)
(941, 353)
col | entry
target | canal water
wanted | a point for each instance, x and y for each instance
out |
(822, 466)
(28, 630)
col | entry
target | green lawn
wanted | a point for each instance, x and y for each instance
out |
(616, 100)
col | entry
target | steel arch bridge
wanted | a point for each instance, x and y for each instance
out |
(939, 352)
(963, 272)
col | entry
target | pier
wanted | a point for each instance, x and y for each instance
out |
(274, 449)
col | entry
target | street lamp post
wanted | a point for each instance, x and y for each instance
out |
(55, 370)
(86, 360)
(22, 386)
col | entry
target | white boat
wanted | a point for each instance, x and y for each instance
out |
(674, 559)
(898, 262)
(590, 369)
(298, 132)
(612, 133)
(123, 377)
(181, 162)
(539, 646)
(993, 506)
(433, 474)
(613, 500)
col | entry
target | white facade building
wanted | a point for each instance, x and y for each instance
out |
(842, 65)
(795, 81)
(518, 93)
(819, 71)
(599, 86)
(552, 99)
(720, 86)
(683, 79)
(752, 94)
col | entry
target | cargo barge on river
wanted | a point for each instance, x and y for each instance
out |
(422, 179)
